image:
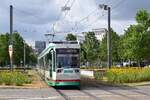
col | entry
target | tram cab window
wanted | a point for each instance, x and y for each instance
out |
(67, 58)
(67, 61)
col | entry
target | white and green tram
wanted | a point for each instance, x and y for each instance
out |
(59, 64)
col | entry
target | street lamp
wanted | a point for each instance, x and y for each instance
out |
(109, 44)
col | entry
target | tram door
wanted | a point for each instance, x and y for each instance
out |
(53, 61)
(50, 64)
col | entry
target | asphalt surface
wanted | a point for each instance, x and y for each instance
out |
(90, 90)
(30, 94)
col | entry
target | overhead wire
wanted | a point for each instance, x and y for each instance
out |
(94, 22)
(72, 3)
(53, 27)
(118, 4)
(91, 13)
(70, 8)
(114, 7)
(38, 18)
(27, 14)
(76, 22)
(84, 18)
(66, 2)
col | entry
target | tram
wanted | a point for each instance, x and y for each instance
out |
(59, 64)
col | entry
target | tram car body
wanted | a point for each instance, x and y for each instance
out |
(59, 64)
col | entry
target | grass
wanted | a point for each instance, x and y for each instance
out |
(14, 78)
(123, 75)
(128, 75)
(91, 68)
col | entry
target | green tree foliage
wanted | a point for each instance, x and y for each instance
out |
(115, 47)
(143, 18)
(18, 47)
(18, 50)
(89, 48)
(4, 56)
(136, 41)
(133, 45)
(71, 37)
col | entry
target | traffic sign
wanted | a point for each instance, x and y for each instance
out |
(10, 50)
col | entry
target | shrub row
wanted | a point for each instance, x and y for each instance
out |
(128, 75)
(14, 78)
(99, 74)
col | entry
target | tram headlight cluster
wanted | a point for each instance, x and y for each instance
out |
(77, 70)
(59, 70)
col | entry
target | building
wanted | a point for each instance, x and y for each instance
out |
(40, 46)
(99, 33)
(80, 37)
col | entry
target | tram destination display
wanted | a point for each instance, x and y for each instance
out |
(67, 51)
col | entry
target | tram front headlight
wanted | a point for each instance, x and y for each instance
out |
(77, 70)
(59, 70)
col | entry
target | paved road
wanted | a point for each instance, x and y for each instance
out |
(90, 90)
(30, 94)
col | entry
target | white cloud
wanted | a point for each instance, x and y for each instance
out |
(33, 18)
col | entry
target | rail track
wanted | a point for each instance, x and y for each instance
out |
(73, 93)
(76, 95)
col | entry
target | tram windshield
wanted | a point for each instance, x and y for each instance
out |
(68, 59)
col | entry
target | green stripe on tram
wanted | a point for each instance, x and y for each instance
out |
(51, 83)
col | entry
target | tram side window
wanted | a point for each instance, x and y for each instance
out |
(54, 61)
(48, 61)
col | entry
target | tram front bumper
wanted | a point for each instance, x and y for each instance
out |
(53, 83)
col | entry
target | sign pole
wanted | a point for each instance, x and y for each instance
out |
(11, 39)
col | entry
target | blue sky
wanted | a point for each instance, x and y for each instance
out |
(34, 18)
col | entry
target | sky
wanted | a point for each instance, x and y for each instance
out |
(35, 18)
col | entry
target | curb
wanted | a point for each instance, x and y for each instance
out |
(137, 84)
(19, 87)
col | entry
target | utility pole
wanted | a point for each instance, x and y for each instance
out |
(109, 43)
(24, 55)
(11, 38)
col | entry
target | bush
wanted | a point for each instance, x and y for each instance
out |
(19, 79)
(1, 81)
(15, 77)
(128, 75)
(7, 78)
(99, 74)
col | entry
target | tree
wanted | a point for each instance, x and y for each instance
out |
(31, 58)
(18, 47)
(143, 18)
(136, 41)
(115, 47)
(18, 51)
(4, 56)
(82, 53)
(89, 48)
(71, 37)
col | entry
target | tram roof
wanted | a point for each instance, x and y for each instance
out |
(57, 44)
